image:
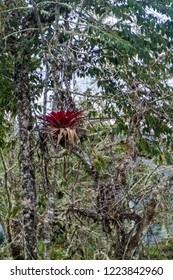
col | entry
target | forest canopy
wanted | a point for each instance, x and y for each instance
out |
(86, 122)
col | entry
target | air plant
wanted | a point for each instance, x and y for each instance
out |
(62, 125)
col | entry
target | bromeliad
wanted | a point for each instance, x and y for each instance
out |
(62, 125)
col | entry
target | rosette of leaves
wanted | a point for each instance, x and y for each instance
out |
(62, 126)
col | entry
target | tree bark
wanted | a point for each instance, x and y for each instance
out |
(50, 213)
(28, 192)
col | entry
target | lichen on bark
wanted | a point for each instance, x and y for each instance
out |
(27, 173)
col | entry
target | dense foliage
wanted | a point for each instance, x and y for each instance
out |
(103, 191)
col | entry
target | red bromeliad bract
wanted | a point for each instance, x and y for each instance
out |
(62, 124)
(63, 119)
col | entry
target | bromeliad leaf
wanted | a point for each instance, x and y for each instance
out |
(62, 125)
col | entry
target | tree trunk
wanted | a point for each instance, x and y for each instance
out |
(50, 213)
(28, 192)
